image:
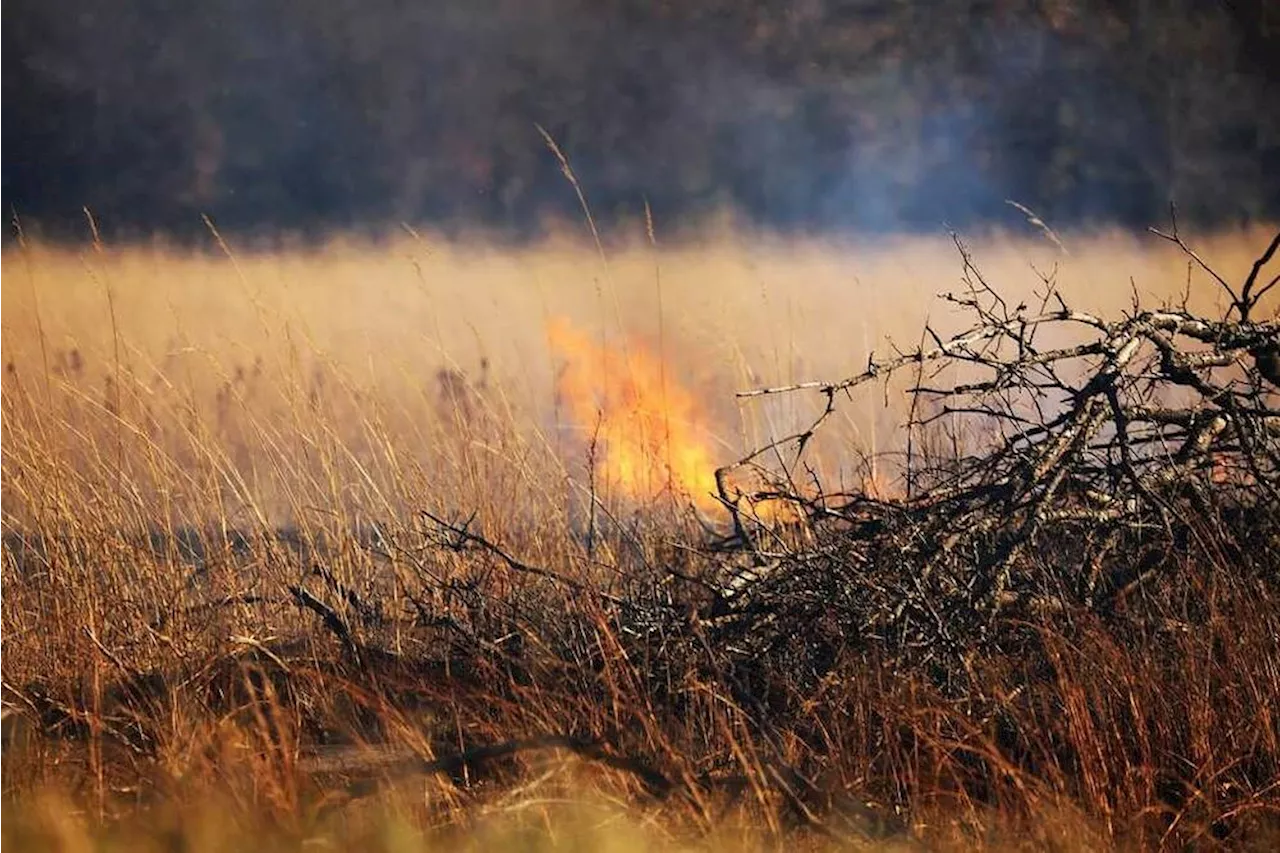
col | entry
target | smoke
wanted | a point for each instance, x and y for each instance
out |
(285, 115)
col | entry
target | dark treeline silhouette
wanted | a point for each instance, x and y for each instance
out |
(304, 116)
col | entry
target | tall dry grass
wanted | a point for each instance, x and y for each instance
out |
(187, 436)
(231, 352)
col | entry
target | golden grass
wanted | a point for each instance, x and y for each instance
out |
(204, 396)
(260, 334)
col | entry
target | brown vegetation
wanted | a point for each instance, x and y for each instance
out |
(292, 536)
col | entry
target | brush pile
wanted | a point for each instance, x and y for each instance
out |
(1071, 464)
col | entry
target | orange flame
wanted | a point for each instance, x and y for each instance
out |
(650, 433)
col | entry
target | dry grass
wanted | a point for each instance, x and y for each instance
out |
(188, 436)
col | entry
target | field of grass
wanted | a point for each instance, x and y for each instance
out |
(356, 546)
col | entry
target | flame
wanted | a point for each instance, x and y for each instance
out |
(650, 432)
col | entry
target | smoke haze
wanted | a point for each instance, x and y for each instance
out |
(284, 116)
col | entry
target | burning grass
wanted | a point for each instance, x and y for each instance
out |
(414, 546)
(650, 433)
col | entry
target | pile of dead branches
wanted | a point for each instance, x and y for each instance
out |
(1085, 459)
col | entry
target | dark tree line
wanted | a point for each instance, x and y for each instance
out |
(305, 116)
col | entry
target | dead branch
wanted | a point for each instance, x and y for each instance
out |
(1109, 442)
